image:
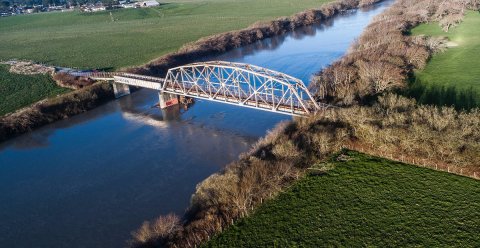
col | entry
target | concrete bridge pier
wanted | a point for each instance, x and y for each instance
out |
(167, 99)
(121, 89)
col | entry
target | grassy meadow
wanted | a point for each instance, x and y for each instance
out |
(365, 201)
(18, 91)
(452, 77)
(131, 37)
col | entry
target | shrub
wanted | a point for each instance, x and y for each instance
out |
(159, 228)
(378, 62)
(70, 81)
(383, 55)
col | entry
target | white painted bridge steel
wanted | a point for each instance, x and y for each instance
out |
(232, 83)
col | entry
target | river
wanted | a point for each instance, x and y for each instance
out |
(89, 180)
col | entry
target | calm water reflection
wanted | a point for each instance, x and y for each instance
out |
(89, 180)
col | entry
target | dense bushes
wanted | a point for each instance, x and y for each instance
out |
(427, 134)
(394, 124)
(380, 61)
(270, 166)
(152, 232)
(71, 81)
(383, 55)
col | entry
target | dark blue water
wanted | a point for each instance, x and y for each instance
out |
(90, 180)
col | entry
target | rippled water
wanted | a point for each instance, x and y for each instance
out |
(89, 180)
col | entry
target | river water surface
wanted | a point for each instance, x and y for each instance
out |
(90, 180)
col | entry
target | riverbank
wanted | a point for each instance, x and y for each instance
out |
(380, 61)
(189, 53)
(54, 109)
(353, 200)
(393, 125)
(119, 161)
(385, 57)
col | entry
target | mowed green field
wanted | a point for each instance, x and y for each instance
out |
(459, 67)
(136, 36)
(365, 202)
(18, 91)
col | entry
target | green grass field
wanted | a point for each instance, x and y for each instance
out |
(93, 40)
(458, 69)
(17, 91)
(366, 202)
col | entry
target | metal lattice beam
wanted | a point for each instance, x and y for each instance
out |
(233, 83)
(241, 84)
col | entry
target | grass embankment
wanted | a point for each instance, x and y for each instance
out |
(366, 201)
(452, 77)
(136, 36)
(17, 91)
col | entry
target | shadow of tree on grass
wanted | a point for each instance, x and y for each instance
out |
(443, 96)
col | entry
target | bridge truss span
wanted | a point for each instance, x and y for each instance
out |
(227, 82)
(241, 84)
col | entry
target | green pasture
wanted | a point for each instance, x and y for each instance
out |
(365, 202)
(128, 37)
(452, 77)
(18, 91)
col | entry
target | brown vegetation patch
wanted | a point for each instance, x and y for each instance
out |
(384, 56)
(396, 127)
(393, 125)
(380, 61)
(71, 81)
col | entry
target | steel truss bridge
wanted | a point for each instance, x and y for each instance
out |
(226, 82)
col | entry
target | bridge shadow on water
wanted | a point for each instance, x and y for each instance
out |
(135, 108)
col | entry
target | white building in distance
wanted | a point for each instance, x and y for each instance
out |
(149, 3)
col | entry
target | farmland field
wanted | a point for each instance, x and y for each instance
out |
(130, 37)
(17, 91)
(366, 201)
(452, 76)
